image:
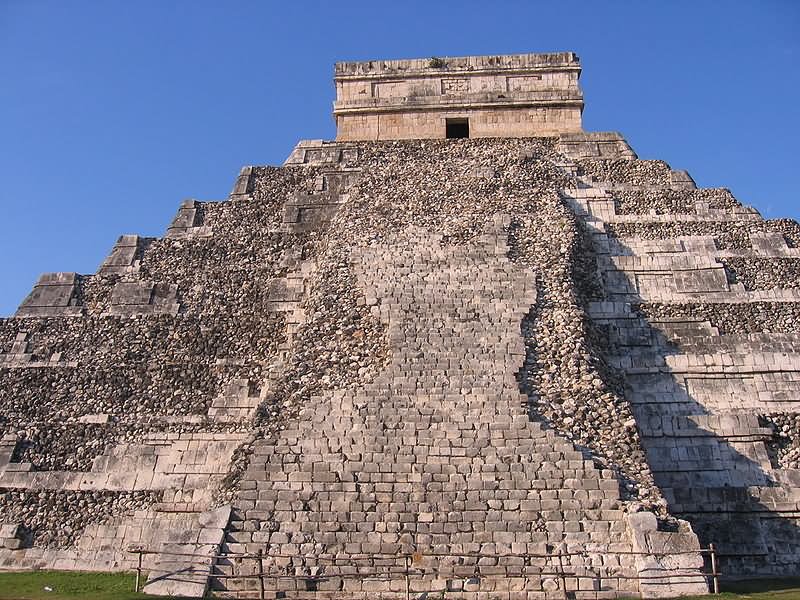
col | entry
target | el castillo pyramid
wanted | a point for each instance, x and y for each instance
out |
(466, 349)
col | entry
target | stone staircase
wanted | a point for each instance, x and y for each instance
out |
(438, 459)
(235, 404)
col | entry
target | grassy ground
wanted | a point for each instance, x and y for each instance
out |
(71, 585)
(761, 589)
(790, 594)
(787, 594)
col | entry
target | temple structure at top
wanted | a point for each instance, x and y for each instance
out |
(517, 95)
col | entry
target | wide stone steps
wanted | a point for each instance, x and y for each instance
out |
(762, 245)
(424, 459)
(382, 569)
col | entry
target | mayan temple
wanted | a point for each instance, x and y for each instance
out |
(466, 349)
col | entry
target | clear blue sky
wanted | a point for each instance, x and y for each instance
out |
(112, 112)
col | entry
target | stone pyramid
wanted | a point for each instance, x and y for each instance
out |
(465, 349)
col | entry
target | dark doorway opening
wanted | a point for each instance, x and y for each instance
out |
(456, 128)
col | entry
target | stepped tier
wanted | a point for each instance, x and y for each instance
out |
(698, 305)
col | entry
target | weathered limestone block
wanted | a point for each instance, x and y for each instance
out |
(20, 357)
(596, 199)
(606, 145)
(234, 404)
(682, 180)
(184, 562)
(10, 536)
(20, 346)
(286, 294)
(96, 418)
(19, 354)
(638, 246)
(131, 298)
(123, 257)
(674, 554)
(187, 216)
(243, 184)
(7, 445)
(700, 280)
(188, 222)
(54, 295)
(161, 461)
(305, 212)
(661, 277)
(322, 153)
(770, 244)
(284, 289)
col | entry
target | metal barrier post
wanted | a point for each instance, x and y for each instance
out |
(260, 559)
(415, 558)
(561, 573)
(408, 578)
(138, 571)
(714, 568)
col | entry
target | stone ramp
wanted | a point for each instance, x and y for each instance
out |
(182, 567)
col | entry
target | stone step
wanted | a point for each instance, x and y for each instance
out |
(461, 584)
(721, 425)
(182, 568)
(337, 452)
(751, 499)
(763, 245)
(740, 343)
(734, 356)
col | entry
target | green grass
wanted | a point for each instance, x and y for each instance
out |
(762, 589)
(69, 585)
(789, 594)
(755, 589)
(73, 585)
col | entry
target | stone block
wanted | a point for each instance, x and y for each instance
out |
(131, 298)
(243, 183)
(123, 257)
(700, 280)
(12, 543)
(53, 295)
(188, 222)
